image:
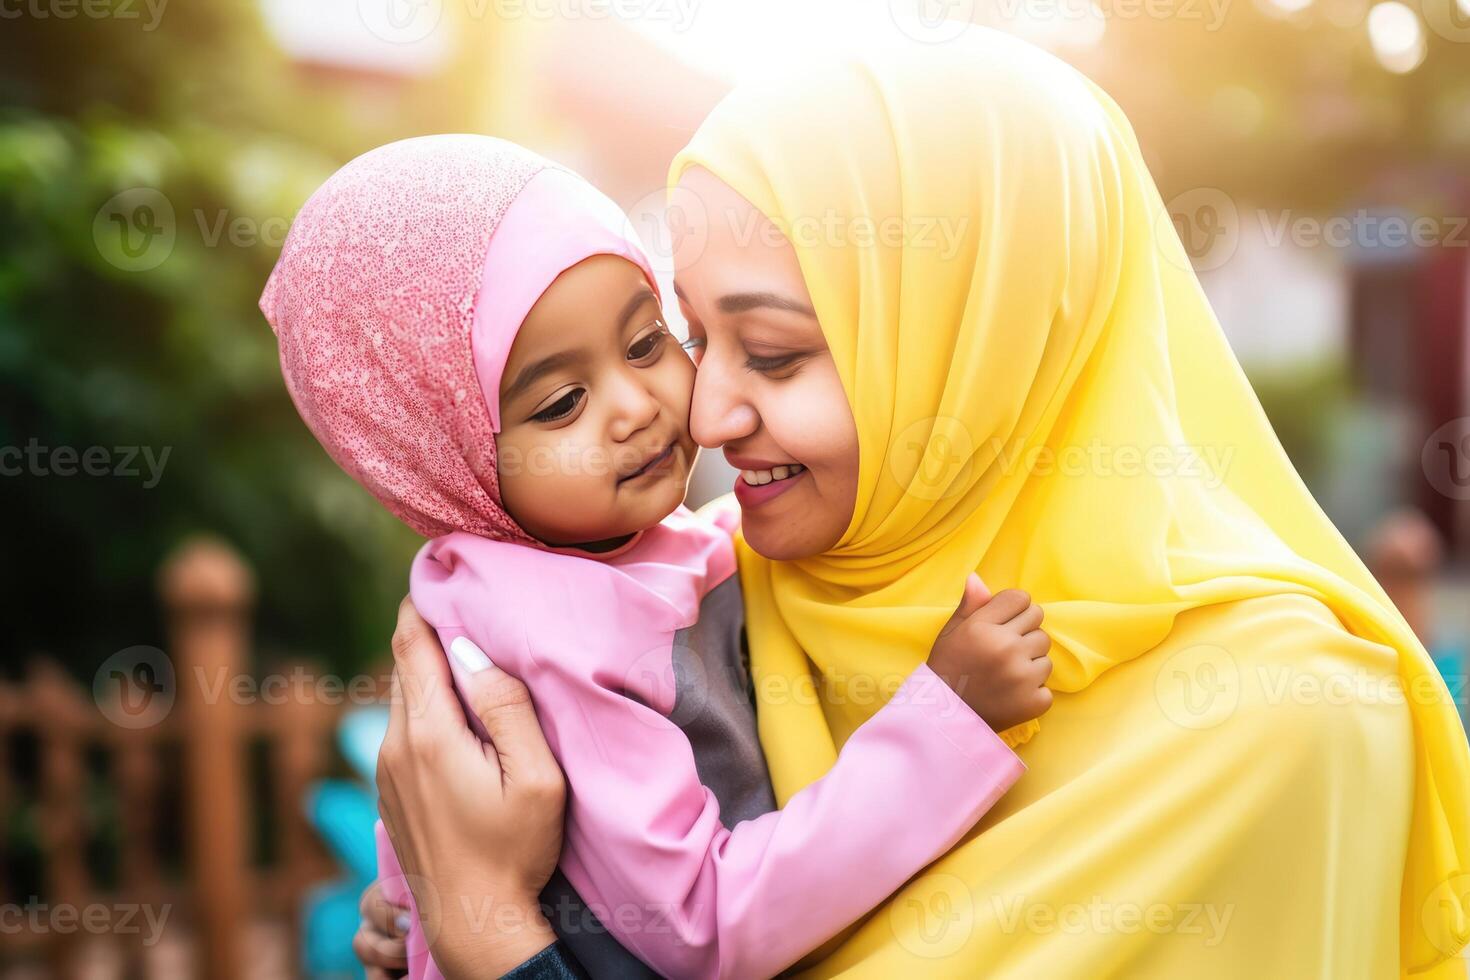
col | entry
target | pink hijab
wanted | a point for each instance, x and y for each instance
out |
(396, 300)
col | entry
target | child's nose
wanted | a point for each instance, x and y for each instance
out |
(637, 408)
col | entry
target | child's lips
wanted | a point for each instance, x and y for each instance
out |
(652, 465)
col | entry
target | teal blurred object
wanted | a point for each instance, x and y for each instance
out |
(1452, 657)
(343, 812)
(359, 736)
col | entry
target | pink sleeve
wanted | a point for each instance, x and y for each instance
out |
(645, 846)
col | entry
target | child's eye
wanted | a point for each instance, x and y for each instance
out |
(649, 344)
(694, 347)
(562, 407)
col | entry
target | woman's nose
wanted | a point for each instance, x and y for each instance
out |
(719, 412)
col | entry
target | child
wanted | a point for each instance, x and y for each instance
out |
(473, 333)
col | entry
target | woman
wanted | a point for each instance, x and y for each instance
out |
(942, 280)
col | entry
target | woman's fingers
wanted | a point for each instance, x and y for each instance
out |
(504, 707)
(418, 663)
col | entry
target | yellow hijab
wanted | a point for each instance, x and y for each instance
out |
(1042, 393)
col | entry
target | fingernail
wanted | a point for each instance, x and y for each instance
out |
(470, 656)
(402, 923)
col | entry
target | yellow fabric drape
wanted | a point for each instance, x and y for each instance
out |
(1246, 732)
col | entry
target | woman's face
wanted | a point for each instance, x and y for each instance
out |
(766, 390)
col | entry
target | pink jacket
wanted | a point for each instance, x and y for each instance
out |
(645, 844)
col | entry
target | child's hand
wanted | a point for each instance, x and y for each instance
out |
(993, 653)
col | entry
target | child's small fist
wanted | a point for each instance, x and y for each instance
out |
(993, 653)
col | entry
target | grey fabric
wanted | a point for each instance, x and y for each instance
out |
(581, 932)
(552, 963)
(714, 705)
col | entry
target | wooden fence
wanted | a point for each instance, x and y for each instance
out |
(188, 770)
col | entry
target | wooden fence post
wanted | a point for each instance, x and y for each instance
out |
(60, 716)
(208, 593)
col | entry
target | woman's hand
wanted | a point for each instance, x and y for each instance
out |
(476, 827)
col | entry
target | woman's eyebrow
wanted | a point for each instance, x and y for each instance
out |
(741, 302)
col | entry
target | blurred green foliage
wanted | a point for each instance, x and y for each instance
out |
(176, 358)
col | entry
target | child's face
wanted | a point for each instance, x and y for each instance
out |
(594, 408)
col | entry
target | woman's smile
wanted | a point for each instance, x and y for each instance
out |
(760, 481)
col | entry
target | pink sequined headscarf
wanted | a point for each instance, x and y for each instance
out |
(396, 300)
